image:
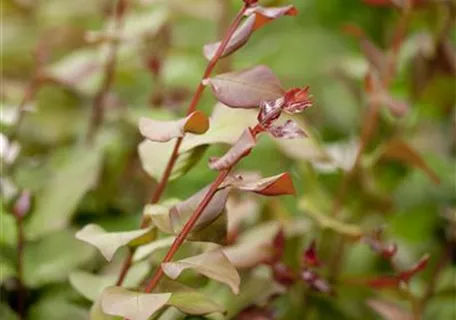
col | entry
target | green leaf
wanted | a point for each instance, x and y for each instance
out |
(7, 268)
(92, 285)
(53, 258)
(193, 302)
(213, 264)
(8, 234)
(117, 301)
(7, 313)
(225, 126)
(327, 222)
(109, 242)
(146, 250)
(60, 198)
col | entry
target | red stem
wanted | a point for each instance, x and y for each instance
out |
(187, 228)
(192, 106)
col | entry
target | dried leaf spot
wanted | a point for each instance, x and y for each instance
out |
(162, 131)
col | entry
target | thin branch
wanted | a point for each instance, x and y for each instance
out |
(192, 106)
(109, 72)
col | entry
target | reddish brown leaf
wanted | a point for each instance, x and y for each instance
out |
(258, 17)
(419, 266)
(310, 257)
(374, 55)
(255, 313)
(281, 184)
(180, 213)
(297, 99)
(240, 149)
(283, 274)
(246, 88)
(163, 131)
(270, 111)
(389, 310)
(378, 94)
(383, 282)
(376, 243)
(288, 130)
(22, 204)
(399, 150)
(315, 281)
(278, 245)
(266, 15)
(239, 38)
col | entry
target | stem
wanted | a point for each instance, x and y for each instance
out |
(187, 228)
(174, 155)
(20, 266)
(109, 71)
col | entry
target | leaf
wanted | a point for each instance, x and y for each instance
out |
(240, 149)
(246, 88)
(237, 40)
(374, 55)
(117, 301)
(53, 258)
(258, 17)
(91, 285)
(140, 306)
(288, 130)
(56, 204)
(97, 314)
(146, 250)
(180, 213)
(213, 264)
(326, 222)
(109, 242)
(378, 94)
(193, 302)
(315, 281)
(159, 214)
(389, 310)
(267, 14)
(226, 125)
(215, 232)
(310, 257)
(163, 131)
(277, 185)
(399, 150)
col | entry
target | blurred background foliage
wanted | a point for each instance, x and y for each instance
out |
(73, 184)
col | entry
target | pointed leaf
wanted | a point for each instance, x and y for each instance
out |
(226, 125)
(213, 264)
(163, 131)
(267, 14)
(325, 221)
(180, 213)
(239, 150)
(92, 285)
(56, 204)
(108, 243)
(159, 214)
(374, 55)
(389, 310)
(146, 250)
(258, 17)
(117, 301)
(246, 88)
(195, 303)
(399, 150)
(280, 184)
(237, 40)
(288, 130)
